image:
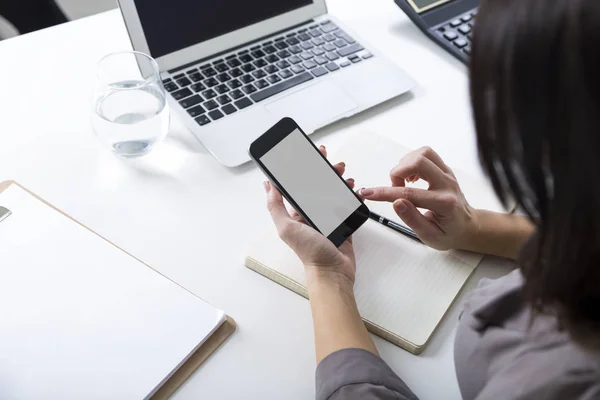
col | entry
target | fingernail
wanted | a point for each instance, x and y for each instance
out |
(366, 192)
(342, 164)
(351, 180)
(400, 207)
(322, 148)
(267, 186)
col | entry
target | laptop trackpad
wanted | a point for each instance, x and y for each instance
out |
(313, 107)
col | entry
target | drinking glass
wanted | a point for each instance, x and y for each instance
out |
(131, 114)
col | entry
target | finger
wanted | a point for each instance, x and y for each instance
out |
(323, 150)
(351, 182)
(340, 168)
(438, 202)
(347, 248)
(397, 180)
(358, 193)
(430, 215)
(429, 153)
(419, 166)
(277, 209)
(425, 229)
(414, 178)
(295, 216)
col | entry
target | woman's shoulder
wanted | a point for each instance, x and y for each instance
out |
(556, 373)
(504, 350)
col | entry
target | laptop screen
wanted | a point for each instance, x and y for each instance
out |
(172, 25)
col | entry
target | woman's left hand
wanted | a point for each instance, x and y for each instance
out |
(320, 257)
(330, 274)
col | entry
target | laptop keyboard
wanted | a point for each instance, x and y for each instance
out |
(222, 87)
(459, 31)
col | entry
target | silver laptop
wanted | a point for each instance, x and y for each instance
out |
(233, 68)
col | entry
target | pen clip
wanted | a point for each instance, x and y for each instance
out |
(4, 213)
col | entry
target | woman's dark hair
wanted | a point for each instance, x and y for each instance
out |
(535, 89)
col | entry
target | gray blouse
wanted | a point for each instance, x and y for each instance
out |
(500, 353)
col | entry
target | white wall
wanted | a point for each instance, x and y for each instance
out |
(82, 8)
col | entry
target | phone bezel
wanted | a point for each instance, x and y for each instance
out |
(270, 139)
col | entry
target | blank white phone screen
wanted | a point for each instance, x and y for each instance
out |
(311, 182)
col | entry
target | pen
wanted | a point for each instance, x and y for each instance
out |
(394, 226)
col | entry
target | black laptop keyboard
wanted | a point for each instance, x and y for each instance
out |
(222, 87)
(459, 31)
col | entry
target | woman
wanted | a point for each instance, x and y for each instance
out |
(534, 334)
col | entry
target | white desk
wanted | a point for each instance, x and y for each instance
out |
(189, 217)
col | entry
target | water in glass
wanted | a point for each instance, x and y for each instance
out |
(131, 115)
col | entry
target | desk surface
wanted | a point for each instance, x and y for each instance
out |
(183, 213)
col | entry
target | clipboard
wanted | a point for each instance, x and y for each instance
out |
(188, 368)
(196, 360)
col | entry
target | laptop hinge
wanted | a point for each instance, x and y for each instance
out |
(260, 39)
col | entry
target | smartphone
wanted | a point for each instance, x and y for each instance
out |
(308, 181)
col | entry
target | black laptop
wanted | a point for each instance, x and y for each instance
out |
(447, 22)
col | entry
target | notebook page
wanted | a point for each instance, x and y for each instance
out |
(401, 286)
(81, 318)
(359, 153)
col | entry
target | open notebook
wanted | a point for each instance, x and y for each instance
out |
(403, 288)
(83, 319)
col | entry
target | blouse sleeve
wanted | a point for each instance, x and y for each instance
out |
(358, 374)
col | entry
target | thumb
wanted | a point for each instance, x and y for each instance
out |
(425, 229)
(279, 213)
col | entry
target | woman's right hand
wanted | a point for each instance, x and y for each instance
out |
(450, 221)
(321, 258)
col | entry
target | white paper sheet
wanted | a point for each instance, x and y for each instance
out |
(81, 319)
